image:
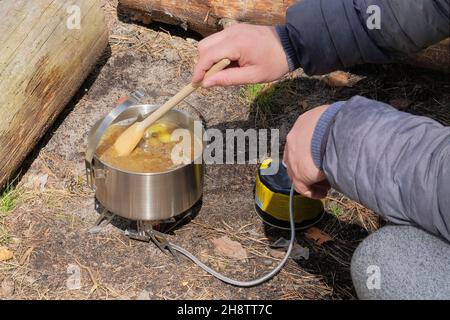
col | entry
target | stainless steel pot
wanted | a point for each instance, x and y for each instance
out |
(143, 196)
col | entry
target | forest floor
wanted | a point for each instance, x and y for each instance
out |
(47, 214)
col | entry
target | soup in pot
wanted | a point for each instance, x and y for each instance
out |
(156, 152)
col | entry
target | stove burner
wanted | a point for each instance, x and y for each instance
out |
(147, 231)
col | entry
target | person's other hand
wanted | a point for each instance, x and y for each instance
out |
(308, 180)
(255, 50)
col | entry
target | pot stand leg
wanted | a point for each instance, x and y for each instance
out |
(154, 236)
(104, 216)
(186, 218)
(103, 220)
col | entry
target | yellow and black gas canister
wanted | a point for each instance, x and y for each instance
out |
(272, 198)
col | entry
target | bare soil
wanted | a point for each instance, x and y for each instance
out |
(49, 228)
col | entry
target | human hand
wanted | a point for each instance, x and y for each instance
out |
(308, 180)
(256, 50)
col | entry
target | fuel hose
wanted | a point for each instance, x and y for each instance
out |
(257, 281)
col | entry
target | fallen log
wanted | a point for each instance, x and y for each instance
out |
(206, 16)
(48, 49)
(436, 57)
(209, 16)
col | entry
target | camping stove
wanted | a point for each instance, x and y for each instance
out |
(144, 230)
(150, 201)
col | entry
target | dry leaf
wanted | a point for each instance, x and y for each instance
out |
(277, 254)
(400, 103)
(5, 254)
(317, 235)
(337, 79)
(229, 248)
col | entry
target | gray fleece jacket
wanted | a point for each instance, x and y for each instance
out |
(392, 162)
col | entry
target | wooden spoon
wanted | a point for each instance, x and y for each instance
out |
(130, 138)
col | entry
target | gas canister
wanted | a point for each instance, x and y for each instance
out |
(272, 199)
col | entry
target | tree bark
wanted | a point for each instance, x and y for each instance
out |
(209, 16)
(206, 16)
(44, 59)
(436, 57)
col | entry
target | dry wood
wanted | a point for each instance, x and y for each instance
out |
(43, 62)
(436, 57)
(206, 16)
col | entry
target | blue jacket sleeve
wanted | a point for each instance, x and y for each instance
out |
(325, 35)
(392, 162)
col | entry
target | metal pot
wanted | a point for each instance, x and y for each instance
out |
(143, 196)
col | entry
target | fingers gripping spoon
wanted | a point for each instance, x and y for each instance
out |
(130, 138)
